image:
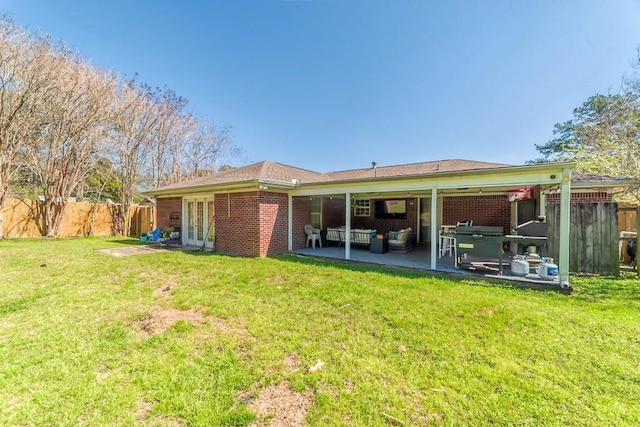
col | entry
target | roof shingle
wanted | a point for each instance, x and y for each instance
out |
(263, 171)
(424, 168)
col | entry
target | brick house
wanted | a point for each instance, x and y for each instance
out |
(261, 209)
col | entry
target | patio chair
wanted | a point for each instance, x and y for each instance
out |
(313, 235)
(448, 243)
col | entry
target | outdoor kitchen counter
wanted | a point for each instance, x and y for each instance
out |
(527, 240)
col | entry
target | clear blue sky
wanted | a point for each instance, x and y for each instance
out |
(336, 84)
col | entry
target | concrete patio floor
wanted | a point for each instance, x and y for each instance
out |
(420, 258)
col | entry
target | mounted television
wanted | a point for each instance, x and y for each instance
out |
(391, 209)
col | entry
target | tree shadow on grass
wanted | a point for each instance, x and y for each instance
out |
(397, 271)
(600, 289)
(126, 241)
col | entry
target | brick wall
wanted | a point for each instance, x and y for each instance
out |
(273, 222)
(169, 212)
(385, 225)
(333, 212)
(301, 216)
(494, 210)
(589, 197)
(238, 223)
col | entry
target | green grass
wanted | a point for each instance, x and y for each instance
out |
(425, 350)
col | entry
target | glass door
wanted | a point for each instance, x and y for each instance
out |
(425, 219)
(191, 222)
(211, 225)
(199, 222)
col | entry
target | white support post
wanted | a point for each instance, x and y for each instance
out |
(434, 228)
(347, 222)
(290, 224)
(563, 254)
(543, 204)
(419, 237)
(513, 247)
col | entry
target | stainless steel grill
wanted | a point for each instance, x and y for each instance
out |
(479, 241)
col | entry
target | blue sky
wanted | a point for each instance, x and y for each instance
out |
(335, 84)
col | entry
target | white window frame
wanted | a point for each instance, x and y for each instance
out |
(361, 207)
(316, 215)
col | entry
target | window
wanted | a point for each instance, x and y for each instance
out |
(361, 207)
(316, 212)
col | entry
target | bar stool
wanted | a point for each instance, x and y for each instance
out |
(447, 243)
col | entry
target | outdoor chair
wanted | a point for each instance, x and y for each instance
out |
(448, 243)
(401, 241)
(313, 235)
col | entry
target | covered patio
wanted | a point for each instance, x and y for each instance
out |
(419, 259)
(427, 212)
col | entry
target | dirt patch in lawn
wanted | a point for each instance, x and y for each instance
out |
(280, 406)
(143, 414)
(291, 364)
(161, 320)
(133, 250)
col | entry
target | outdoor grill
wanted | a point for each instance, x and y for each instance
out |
(479, 241)
(531, 233)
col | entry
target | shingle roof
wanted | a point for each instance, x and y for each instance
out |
(583, 180)
(277, 172)
(594, 179)
(424, 168)
(263, 171)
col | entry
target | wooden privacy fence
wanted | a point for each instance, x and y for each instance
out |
(627, 217)
(593, 237)
(627, 225)
(25, 218)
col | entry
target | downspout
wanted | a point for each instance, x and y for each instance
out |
(290, 224)
(563, 254)
(434, 227)
(347, 231)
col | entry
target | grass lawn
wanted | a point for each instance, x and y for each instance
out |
(201, 339)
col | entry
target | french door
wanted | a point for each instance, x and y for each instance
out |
(199, 222)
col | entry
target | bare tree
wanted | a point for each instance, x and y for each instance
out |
(193, 147)
(74, 124)
(23, 83)
(199, 149)
(209, 146)
(172, 128)
(59, 116)
(135, 122)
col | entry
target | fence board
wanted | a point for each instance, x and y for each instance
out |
(627, 219)
(24, 218)
(593, 237)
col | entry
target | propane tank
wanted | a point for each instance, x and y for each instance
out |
(519, 265)
(547, 269)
